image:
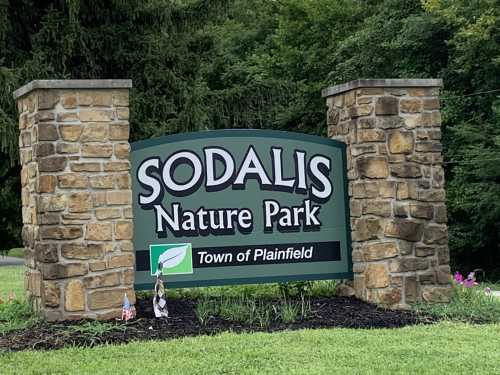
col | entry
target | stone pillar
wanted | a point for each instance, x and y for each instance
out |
(396, 187)
(76, 196)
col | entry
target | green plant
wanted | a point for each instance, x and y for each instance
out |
(324, 288)
(247, 310)
(236, 309)
(421, 349)
(12, 281)
(16, 314)
(205, 308)
(17, 252)
(466, 305)
(296, 288)
(288, 312)
(145, 294)
(305, 306)
(94, 330)
(262, 314)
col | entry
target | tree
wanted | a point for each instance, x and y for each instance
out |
(200, 64)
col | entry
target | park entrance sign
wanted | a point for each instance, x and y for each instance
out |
(240, 206)
(102, 217)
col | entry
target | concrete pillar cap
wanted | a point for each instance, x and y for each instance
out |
(43, 84)
(364, 83)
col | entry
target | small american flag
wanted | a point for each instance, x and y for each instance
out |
(128, 311)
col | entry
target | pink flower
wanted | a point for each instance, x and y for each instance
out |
(470, 281)
(459, 279)
(487, 291)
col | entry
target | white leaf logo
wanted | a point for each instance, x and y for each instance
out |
(172, 257)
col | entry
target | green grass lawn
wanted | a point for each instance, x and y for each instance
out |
(447, 347)
(11, 280)
(443, 348)
(17, 252)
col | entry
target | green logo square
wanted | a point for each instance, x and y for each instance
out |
(171, 259)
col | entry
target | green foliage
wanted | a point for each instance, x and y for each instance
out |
(11, 282)
(252, 310)
(289, 311)
(473, 193)
(299, 289)
(205, 308)
(423, 349)
(467, 305)
(199, 65)
(16, 314)
(319, 288)
(324, 288)
(248, 310)
(17, 252)
(94, 330)
(294, 289)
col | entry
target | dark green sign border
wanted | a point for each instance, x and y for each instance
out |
(264, 134)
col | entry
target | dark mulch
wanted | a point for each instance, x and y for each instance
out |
(326, 312)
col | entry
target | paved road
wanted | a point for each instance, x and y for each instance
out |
(10, 261)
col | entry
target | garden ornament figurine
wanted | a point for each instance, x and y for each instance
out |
(128, 311)
(160, 299)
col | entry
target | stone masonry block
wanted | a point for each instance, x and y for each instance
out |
(74, 296)
(70, 132)
(120, 261)
(97, 150)
(52, 164)
(47, 132)
(60, 232)
(386, 105)
(102, 280)
(95, 132)
(404, 229)
(377, 276)
(400, 142)
(373, 167)
(119, 131)
(109, 298)
(99, 231)
(123, 230)
(79, 250)
(54, 271)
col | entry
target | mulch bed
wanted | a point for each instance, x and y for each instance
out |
(326, 312)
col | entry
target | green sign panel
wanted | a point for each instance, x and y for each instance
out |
(240, 206)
